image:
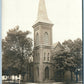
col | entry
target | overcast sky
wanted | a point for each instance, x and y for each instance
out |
(66, 15)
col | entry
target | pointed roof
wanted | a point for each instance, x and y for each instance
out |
(42, 13)
(58, 44)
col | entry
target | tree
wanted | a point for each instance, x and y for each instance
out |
(68, 57)
(75, 50)
(16, 48)
(63, 62)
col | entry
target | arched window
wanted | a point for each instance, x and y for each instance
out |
(37, 71)
(37, 39)
(38, 57)
(44, 56)
(35, 57)
(48, 57)
(46, 38)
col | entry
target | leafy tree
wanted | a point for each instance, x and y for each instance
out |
(75, 50)
(68, 57)
(16, 49)
(63, 61)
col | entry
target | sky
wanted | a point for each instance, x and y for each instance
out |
(66, 15)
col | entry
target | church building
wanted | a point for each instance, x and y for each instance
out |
(42, 45)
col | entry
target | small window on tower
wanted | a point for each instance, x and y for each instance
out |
(46, 38)
(37, 71)
(48, 58)
(38, 56)
(37, 39)
(44, 56)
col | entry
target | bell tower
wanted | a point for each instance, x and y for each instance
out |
(42, 45)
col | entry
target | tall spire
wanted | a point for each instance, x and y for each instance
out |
(42, 13)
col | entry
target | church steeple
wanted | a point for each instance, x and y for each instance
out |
(42, 13)
(42, 45)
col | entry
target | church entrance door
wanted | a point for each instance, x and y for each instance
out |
(46, 73)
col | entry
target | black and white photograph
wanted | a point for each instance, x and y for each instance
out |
(42, 42)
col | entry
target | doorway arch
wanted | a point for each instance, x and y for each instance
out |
(47, 73)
